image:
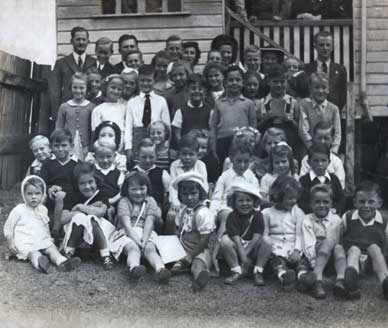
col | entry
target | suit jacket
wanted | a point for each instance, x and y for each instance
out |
(119, 67)
(337, 82)
(59, 80)
(107, 70)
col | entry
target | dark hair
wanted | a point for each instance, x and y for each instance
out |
(224, 39)
(135, 52)
(35, 182)
(240, 146)
(79, 76)
(281, 187)
(61, 134)
(368, 186)
(146, 69)
(321, 187)
(231, 200)
(146, 142)
(163, 54)
(173, 38)
(273, 51)
(195, 78)
(112, 125)
(195, 45)
(319, 76)
(317, 148)
(282, 151)
(249, 75)
(323, 125)
(76, 29)
(188, 141)
(199, 133)
(93, 70)
(139, 178)
(192, 184)
(126, 37)
(233, 68)
(83, 168)
(323, 34)
(104, 41)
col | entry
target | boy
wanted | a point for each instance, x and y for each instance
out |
(143, 109)
(364, 234)
(174, 47)
(134, 59)
(318, 159)
(196, 113)
(323, 134)
(320, 232)
(57, 173)
(297, 79)
(104, 50)
(40, 147)
(318, 109)
(252, 59)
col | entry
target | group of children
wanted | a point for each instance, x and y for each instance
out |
(253, 181)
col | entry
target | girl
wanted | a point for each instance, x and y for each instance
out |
(160, 133)
(191, 53)
(111, 131)
(111, 109)
(94, 86)
(261, 164)
(131, 86)
(283, 225)
(194, 224)
(27, 230)
(138, 214)
(243, 242)
(251, 86)
(84, 222)
(213, 74)
(75, 113)
(214, 56)
(160, 63)
(281, 163)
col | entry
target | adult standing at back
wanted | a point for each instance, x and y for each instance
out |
(127, 43)
(323, 44)
(77, 61)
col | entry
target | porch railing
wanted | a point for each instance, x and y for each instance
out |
(297, 38)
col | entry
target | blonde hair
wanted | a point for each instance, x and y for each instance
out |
(101, 144)
(38, 138)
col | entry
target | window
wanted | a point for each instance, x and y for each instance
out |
(140, 6)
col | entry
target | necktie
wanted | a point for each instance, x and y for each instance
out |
(99, 68)
(147, 111)
(324, 68)
(79, 63)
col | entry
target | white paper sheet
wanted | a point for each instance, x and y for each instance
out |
(170, 248)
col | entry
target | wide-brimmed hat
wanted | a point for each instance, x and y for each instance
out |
(245, 187)
(191, 176)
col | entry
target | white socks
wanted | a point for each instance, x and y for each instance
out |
(257, 269)
(104, 252)
(236, 269)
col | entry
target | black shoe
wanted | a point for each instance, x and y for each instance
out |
(385, 288)
(164, 276)
(107, 263)
(43, 263)
(307, 281)
(137, 272)
(232, 278)
(339, 289)
(351, 279)
(70, 264)
(258, 279)
(288, 278)
(201, 281)
(319, 291)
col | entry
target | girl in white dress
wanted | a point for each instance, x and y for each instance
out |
(27, 230)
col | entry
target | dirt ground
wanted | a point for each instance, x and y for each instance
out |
(92, 297)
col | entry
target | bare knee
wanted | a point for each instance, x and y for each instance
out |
(374, 249)
(226, 243)
(339, 251)
(354, 251)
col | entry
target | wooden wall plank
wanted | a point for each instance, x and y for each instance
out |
(78, 11)
(197, 8)
(66, 3)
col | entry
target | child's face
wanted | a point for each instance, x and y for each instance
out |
(114, 90)
(321, 204)
(319, 163)
(188, 157)
(292, 66)
(214, 57)
(269, 60)
(146, 83)
(277, 87)
(179, 77)
(271, 142)
(107, 133)
(161, 68)
(289, 200)
(61, 149)
(94, 82)
(251, 138)
(324, 47)
(241, 162)
(281, 165)
(137, 193)
(146, 157)
(367, 203)
(130, 82)
(319, 90)
(190, 54)
(175, 49)
(252, 87)
(105, 157)
(78, 89)
(196, 93)
(323, 136)
(252, 61)
(234, 82)
(226, 51)
(103, 53)
(87, 185)
(189, 194)
(80, 42)
(215, 79)
(127, 46)
(244, 203)
(41, 150)
(202, 151)
(134, 61)
(158, 133)
(33, 196)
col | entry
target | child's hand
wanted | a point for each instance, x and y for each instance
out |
(59, 195)
(77, 207)
(53, 190)
(295, 256)
(187, 259)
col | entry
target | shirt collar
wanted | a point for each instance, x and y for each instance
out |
(321, 105)
(321, 62)
(313, 176)
(37, 162)
(71, 158)
(269, 98)
(71, 102)
(76, 56)
(235, 174)
(378, 218)
(99, 65)
(105, 171)
(137, 167)
(225, 98)
(192, 106)
(142, 94)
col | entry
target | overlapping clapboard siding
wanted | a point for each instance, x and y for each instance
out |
(201, 20)
(377, 53)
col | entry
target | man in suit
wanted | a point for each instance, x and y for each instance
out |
(323, 44)
(77, 61)
(127, 43)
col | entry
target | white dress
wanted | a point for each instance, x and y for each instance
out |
(28, 228)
